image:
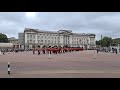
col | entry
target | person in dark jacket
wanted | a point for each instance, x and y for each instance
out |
(113, 50)
(97, 50)
(116, 51)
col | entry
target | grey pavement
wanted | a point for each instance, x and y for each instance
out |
(68, 65)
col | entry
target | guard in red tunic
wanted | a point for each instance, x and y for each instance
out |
(43, 50)
(50, 50)
(38, 50)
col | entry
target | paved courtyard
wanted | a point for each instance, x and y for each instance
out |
(82, 64)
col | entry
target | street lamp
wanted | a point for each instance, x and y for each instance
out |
(118, 47)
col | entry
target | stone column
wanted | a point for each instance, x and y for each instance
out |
(18, 46)
(63, 39)
(66, 39)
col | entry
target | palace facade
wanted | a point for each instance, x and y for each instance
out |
(33, 38)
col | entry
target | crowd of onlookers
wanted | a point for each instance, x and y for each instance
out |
(108, 49)
(14, 50)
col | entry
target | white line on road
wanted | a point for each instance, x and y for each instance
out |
(66, 72)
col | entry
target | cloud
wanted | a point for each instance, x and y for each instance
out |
(99, 23)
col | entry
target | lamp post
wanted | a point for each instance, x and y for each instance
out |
(118, 47)
(111, 48)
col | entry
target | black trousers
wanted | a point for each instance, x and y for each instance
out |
(38, 52)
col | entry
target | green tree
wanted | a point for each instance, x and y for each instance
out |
(116, 41)
(106, 41)
(3, 38)
(97, 42)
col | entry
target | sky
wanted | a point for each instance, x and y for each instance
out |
(99, 23)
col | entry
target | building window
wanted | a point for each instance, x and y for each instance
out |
(33, 41)
(38, 37)
(27, 36)
(48, 41)
(77, 42)
(45, 41)
(80, 41)
(27, 41)
(34, 37)
(30, 41)
(30, 36)
(87, 40)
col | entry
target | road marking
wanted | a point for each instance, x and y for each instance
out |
(66, 72)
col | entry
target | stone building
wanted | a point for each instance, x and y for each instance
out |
(13, 40)
(33, 37)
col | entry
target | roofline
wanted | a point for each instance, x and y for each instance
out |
(44, 31)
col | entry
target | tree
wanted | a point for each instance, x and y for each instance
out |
(106, 41)
(97, 42)
(3, 38)
(116, 41)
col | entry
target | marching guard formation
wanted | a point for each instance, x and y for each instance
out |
(56, 50)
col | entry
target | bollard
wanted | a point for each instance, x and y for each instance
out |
(49, 54)
(94, 55)
(8, 68)
(0, 53)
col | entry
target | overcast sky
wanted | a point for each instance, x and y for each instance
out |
(99, 23)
